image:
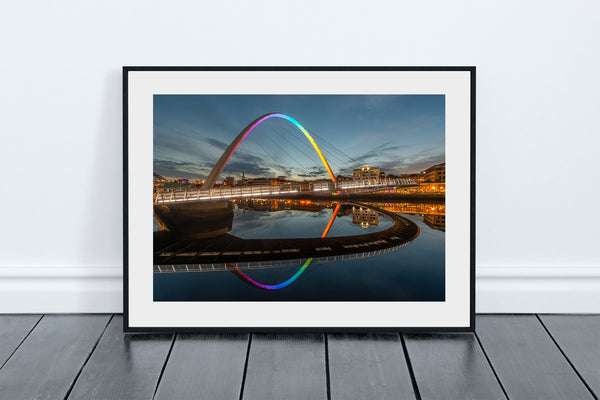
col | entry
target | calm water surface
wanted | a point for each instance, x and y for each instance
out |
(413, 273)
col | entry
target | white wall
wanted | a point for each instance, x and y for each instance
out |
(538, 98)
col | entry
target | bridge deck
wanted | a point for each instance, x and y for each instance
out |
(279, 190)
(509, 356)
(227, 248)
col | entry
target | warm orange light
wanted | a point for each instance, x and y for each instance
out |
(335, 212)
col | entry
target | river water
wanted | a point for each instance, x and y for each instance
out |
(415, 272)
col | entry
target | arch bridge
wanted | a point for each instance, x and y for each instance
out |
(207, 193)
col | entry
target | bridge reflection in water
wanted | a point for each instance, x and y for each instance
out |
(194, 239)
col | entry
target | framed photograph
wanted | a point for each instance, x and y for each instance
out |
(299, 198)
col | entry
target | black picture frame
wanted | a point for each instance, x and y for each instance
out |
(127, 179)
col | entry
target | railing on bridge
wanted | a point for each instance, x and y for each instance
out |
(273, 190)
(375, 183)
(252, 265)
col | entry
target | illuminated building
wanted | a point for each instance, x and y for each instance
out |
(159, 183)
(435, 221)
(341, 178)
(364, 216)
(436, 173)
(159, 179)
(259, 181)
(366, 174)
(416, 177)
(437, 188)
(243, 181)
(229, 181)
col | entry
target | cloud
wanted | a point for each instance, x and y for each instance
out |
(174, 143)
(216, 143)
(181, 169)
(382, 149)
(314, 172)
(250, 169)
(413, 163)
(215, 117)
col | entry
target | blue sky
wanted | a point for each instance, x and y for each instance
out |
(398, 133)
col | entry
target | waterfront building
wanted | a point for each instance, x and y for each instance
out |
(159, 183)
(364, 216)
(243, 181)
(436, 173)
(341, 178)
(436, 188)
(259, 181)
(159, 179)
(435, 221)
(416, 177)
(366, 174)
(229, 181)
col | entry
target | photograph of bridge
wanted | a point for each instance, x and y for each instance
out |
(299, 197)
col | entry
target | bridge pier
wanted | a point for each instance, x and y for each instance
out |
(197, 220)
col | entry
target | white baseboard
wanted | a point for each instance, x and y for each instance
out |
(562, 289)
(49, 289)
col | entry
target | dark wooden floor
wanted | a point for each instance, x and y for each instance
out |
(510, 356)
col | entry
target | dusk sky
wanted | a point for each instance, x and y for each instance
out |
(400, 134)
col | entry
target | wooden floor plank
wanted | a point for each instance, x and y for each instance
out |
(451, 366)
(579, 338)
(13, 329)
(286, 366)
(368, 366)
(48, 361)
(526, 360)
(123, 366)
(205, 366)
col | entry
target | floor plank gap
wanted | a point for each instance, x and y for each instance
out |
(410, 368)
(205, 366)
(490, 364)
(162, 371)
(87, 359)
(287, 366)
(327, 375)
(246, 366)
(21, 342)
(566, 358)
(526, 359)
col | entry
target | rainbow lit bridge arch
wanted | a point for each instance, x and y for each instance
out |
(236, 271)
(220, 165)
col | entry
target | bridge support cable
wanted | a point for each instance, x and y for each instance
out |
(343, 166)
(269, 153)
(224, 159)
(288, 139)
(346, 164)
(289, 155)
(344, 161)
(332, 146)
(330, 156)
